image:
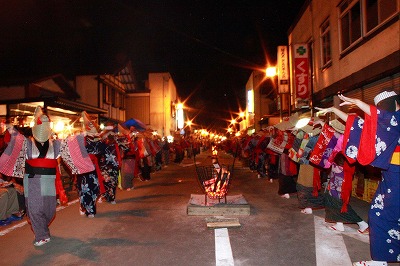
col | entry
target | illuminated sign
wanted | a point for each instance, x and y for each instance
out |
(179, 118)
(283, 70)
(250, 101)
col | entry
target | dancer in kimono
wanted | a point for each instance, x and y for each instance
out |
(382, 123)
(35, 160)
(90, 185)
(110, 164)
(130, 159)
(334, 201)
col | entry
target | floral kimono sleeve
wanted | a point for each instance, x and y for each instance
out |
(387, 138)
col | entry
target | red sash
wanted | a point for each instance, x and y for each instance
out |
(43, 163)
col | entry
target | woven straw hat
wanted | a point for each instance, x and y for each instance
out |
(41, 129)
(337, 125)
(312, 128)
(89, 126)
(288, 122)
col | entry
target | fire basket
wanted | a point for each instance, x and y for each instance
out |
(214, 180)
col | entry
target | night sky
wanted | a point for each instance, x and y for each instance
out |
(209, 47)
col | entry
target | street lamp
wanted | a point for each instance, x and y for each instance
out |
(271, 73)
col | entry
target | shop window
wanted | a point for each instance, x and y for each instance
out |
(325, 33)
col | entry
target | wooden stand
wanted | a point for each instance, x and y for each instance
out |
(235, 205)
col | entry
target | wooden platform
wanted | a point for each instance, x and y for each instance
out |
(235, 205)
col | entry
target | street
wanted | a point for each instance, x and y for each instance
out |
(150, 226)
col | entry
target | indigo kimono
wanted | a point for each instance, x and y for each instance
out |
(384, 214)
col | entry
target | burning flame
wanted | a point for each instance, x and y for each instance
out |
(216, 188)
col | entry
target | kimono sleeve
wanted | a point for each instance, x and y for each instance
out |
(387, 138)
(75, 156)
(12, 161)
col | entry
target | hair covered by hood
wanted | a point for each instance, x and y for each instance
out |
(41, 129)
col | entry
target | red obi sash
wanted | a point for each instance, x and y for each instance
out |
(43, 163)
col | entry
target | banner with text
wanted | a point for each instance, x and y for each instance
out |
(301, 75)
(283, 70)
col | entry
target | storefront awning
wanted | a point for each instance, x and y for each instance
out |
(55, 104)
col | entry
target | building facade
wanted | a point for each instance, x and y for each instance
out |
(55, 94)
(163, 99)
(106, 92)
(350, 47)
(353, 48)
(262, 102)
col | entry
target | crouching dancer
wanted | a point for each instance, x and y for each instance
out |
(35, 160)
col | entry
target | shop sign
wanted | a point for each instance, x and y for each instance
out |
(283, 70)
(301, 74)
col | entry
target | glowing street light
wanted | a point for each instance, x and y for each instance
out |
(270, 72)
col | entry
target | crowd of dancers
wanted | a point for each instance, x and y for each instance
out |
(100, 161)
(317, 162)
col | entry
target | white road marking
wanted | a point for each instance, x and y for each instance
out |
(351, 232)
(21, 224)
(330, 248)
(223, 250)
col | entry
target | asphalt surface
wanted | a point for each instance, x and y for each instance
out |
(150, 226)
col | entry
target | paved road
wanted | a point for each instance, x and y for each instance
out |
(150, 226)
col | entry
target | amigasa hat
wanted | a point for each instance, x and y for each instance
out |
(89, 126)
(312, 128)
(337, 125)
(288, 122)
(41, 129)
(383, 95)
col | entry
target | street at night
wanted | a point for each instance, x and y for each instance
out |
(200, 132)
(150, 226)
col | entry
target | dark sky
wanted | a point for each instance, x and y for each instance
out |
(209, 47)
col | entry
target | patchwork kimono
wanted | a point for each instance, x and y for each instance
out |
(384, 215)
(36, 164)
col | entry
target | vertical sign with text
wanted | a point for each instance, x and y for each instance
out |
(283, 70)
(301, 75)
